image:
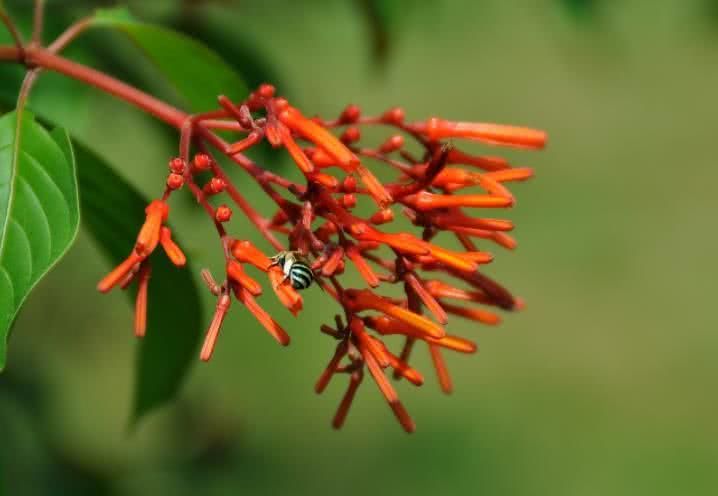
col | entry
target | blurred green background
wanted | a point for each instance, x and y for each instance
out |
(605, 384)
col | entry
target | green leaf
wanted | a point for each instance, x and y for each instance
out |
(580, 10)
(381, 18)
(113, 212)
(197, 74)
(39, 211)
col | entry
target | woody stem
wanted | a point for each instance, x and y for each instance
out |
(38, 57)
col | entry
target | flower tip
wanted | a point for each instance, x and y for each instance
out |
(174, 253)
(118, 273)
(141, 301)
(407, 423)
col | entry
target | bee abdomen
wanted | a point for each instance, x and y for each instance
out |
(301, 276)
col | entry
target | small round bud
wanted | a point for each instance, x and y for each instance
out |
(349, 200)
(433, 126)
(340, 268)
(214, 186)
(223, 213)
(325, 180)
(266, 90)
(351, 135)
(202, 162)
(392, 144)
(280, 104)
(320, 158)
(350, 114)
(393, 116)
(382, 216)
(175, 181)
(349, 185)
(177, 165)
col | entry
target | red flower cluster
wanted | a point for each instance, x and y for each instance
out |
(438, 190)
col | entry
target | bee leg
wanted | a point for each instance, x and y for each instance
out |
(276, 259)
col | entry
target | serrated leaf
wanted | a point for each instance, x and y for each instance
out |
(39, 211)
(113, 212)
(197, 73)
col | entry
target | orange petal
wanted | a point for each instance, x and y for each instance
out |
(476, 314)
(403, 242)
(362, 266)
(118, 273)
(429, 201)
(302, 161)
(454, 343)
(368, 343)
(252, 139)
(157, 212)
(263, 317)
(210, 339)
(504, 240)
(482, 162)
(319, 136)
(329, 182)
(495, 134)
(341, 415)
(174, 253)
(236, 272)
(518, 174)
(441, 371)
(440, 289)
(429, 301)
(331, 368)
(405, 352)
(389, 393)
(387, 326)
(244, 251)
(289, 296)
(321, 159)
(459, 261)
(404, 370)
(330, 266)
(365, 299)
(377, 191)
(143, 280)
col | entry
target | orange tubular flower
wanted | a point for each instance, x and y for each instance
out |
(274, 329)
(430, 201)
(486, 163)
(359, 300)
(244, 251)
(319, 136)
(435, 261)
(494, 134)
(136, 265)
(289, 297)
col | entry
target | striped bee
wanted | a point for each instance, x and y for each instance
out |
(295, 268)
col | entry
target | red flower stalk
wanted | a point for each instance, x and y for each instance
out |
(440, 191)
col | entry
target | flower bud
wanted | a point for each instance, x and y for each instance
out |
(223, 213)
(177, 165)
(350, 114)
(202, 162)
(175, 181)
(393, 116)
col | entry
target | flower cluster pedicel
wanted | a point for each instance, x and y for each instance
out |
(438, 190)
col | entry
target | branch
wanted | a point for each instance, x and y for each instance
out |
(38, 22)
(12, 29)
(41, 57)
